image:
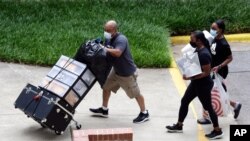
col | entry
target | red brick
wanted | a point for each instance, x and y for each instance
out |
(129, 133)
(106, 134)
(100, 135)
(92, 134)
(116, 134)
(91, 138)
(115, 137)
(130, 136)
(110, 134)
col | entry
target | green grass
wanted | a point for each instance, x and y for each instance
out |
(38, 32)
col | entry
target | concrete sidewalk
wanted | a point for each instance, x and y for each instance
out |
(162, 89)
(161, 95)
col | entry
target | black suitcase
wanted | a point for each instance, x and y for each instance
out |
(45, 108)
(53, 103)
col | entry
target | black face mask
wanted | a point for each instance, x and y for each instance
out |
(193, 44)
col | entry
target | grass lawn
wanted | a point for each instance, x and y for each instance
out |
(38, 32)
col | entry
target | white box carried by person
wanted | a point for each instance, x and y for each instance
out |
(189, 63)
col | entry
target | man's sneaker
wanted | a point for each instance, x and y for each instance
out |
(237, 110)
(100, 112)
(215, 135)
(204, 121)
(141, 118)
(176, 128)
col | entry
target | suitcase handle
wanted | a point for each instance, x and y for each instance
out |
(36, 98)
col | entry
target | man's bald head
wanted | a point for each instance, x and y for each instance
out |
(111, 24)
(111, 27)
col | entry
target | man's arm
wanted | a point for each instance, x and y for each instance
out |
(119, 47)
(114, 52)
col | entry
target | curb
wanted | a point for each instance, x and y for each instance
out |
(244, 37)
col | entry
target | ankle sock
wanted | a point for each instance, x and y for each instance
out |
(145, 112)
(104, 108)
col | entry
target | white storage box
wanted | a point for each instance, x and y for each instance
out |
(189, 65)
(80, 88)
(62, 75)
(71, 65)
(69, 79)
(72, 98)
(54, 86)
(88, 77)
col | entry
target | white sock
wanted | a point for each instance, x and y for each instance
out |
(236, 104)
(104, 108)
(145, 112)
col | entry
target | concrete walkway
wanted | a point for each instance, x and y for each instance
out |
(161, 95)
(162, 89)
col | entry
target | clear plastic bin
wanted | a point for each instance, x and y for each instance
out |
(71, 65)
(54, 86)
(80, 88)
(62, 76)
(71, 98)
(88, 77)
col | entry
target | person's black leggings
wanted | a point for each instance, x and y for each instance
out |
(223, 74)
(203, 91)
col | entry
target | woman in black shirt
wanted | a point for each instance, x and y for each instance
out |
(221, 57)
(200, 86)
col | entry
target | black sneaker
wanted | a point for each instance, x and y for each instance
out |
(141, 118)
(176, 128)
(204, 121)
(100, 112)
(215, 135)
(237, 110)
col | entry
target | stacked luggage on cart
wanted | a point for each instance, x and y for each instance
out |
(53, 102)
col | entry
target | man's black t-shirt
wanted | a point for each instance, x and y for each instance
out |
(205, 59)
(220, 50)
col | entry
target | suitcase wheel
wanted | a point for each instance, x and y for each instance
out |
(78, 126)
(43, 126)
(58, 132)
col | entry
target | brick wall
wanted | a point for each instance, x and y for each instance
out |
(116, 134)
